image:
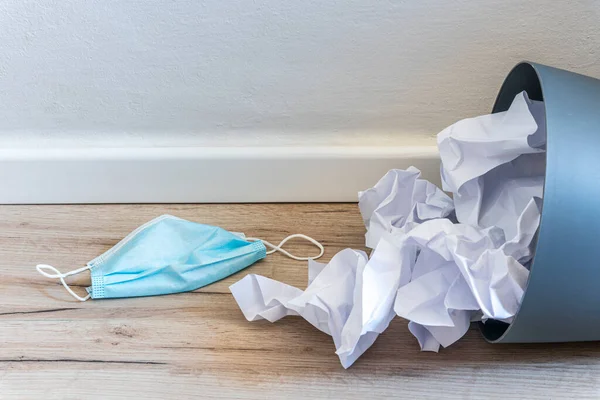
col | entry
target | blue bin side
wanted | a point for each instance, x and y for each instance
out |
(562, 298)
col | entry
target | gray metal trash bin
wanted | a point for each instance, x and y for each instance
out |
(562, 298)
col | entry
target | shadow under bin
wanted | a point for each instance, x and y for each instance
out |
(562, 298)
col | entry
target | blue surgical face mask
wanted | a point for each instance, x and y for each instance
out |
(170, 255)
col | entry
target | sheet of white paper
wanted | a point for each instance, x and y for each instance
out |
(398, 199)
(314, 269)
(376, 288)
(469, 273)
(521, 245)
(263, 298)
(442, 300)
(424, 337)
(332, 302)
(473, 146)
(488, 162)
(327, 301)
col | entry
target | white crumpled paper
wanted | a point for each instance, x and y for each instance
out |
(400, 199)
(438, 262)
(331, 302)
(491, 166)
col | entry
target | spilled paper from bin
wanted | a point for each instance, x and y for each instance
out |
(440, 262)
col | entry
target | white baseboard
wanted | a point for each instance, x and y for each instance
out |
(202, 174)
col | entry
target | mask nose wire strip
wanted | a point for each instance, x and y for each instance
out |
(41, 268)
(290, 255)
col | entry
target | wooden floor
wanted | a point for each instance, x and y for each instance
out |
(198, 345)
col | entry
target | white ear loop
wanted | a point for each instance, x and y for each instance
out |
(58, 275)
(290, 255)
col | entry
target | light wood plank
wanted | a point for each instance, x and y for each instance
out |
(199, 345)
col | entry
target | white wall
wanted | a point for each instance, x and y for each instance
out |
(159, 72)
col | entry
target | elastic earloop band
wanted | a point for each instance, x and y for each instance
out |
(290, 255)
(58, 275)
